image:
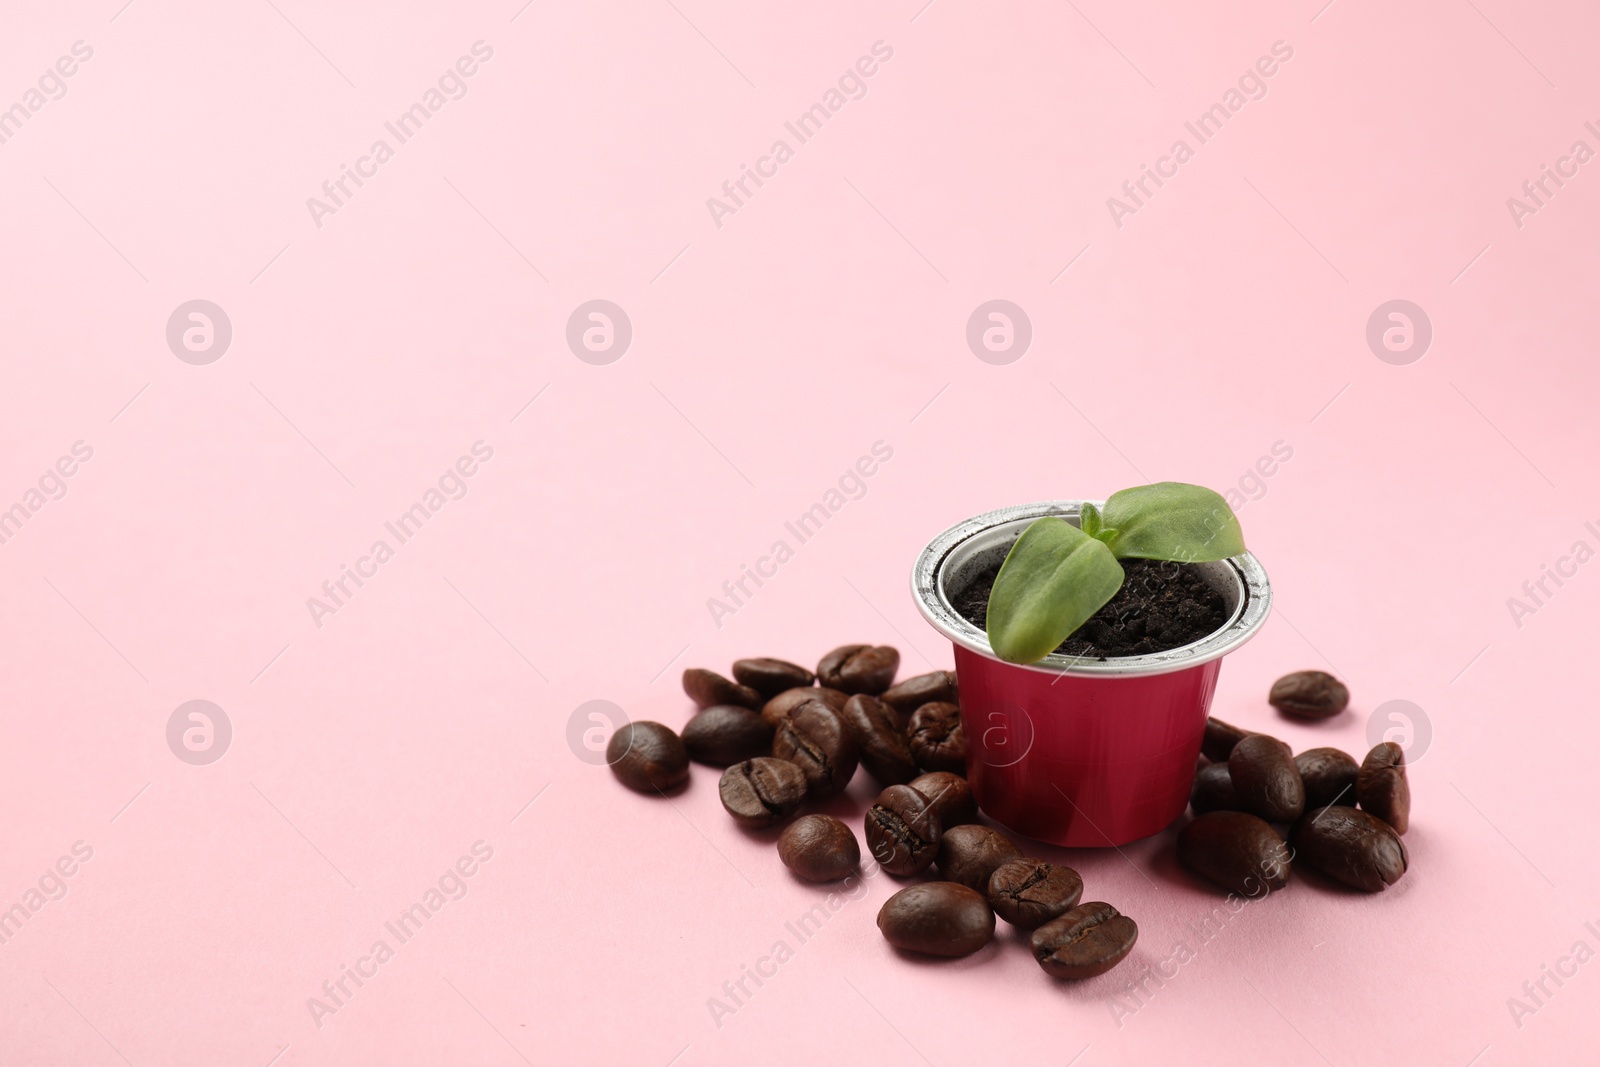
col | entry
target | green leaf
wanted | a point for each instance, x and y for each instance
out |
(1172, 520)
(1089, 519)
(1052, 580)
(1091, 523)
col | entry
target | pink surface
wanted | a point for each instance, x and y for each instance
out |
(1223, 325)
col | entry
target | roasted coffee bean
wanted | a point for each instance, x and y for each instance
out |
(880, 733)
(950, 796)
(726, 733)
(859, 668)
(881, 738)
(1086, 941)
(769, 677)
(1351, 846)
(788, 702)
(762, 792)
(903, 831)
(909, 695)
(1220, 739)
(647, 757)
(937, 919)
(1265, 779)
(1236, 850)
(1329, 775)
(819, 848)
(1029, 893)
(969, 855)
(1309, 695)
(828, 666)
(817, 740)
(938, 741)
(1381, 786)
(707, 688)
(1213, 790)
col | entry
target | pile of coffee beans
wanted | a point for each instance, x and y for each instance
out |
(1259, 808)
(787, 735)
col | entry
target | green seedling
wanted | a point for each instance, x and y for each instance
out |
(1057, 575)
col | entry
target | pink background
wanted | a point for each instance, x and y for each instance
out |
(828, 313)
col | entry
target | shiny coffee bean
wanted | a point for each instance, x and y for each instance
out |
(762, 792)
(950, 796)
(1220, 739)
(819, 848)
(647, 757)
(726, 733)
(1029, 893)
(1350, 846)
(706, 688)
(859, 668)
(817, 740)
(1086, 941)
(938, 740)
(937, 919)
(1381, 786)
(828, 666)
(909, 695)
(788, 702)
(1213, 790)
(903, 831)
(881, 738)
(1329, 775)
(1265, 779)
(769, 677)
(969, 855)
(1309, 695)
(1236, 850)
